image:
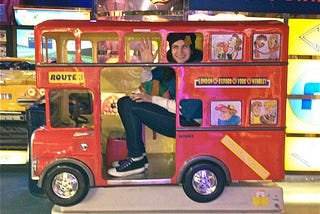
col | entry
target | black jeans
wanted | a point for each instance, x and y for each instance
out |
(134, 114)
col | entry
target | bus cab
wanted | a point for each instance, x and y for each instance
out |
(239, 87)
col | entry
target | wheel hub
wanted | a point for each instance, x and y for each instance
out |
(204, 182)
(65, 185)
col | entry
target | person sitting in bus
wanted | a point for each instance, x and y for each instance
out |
(156, 112)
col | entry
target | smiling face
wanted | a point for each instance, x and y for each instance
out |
(180, 51)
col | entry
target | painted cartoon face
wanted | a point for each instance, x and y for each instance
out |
(273, 42)
(180, 51)
(232, 42)
(271, 110)
(256, 108)
(260, 43)
(225, 115)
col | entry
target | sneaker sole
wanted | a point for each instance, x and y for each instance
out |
(114, 172)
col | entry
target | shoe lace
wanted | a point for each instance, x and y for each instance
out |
(125, 163)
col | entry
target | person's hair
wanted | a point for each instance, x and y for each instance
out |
(196, 55)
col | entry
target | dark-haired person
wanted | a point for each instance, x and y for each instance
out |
(158, 112)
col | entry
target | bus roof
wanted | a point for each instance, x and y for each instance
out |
(171, 25)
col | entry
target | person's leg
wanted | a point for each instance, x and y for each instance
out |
(133, 127)
(133, 114)
(156, 118)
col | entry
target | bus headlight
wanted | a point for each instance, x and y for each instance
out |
(32, 92)
(41, 91)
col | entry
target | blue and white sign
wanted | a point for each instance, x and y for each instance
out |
(303, 109)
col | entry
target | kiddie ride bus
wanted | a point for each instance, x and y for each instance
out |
(240, 86)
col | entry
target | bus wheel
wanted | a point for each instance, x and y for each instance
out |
(204, 182)
(66, 185)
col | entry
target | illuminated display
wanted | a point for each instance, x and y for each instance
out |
(33, 16)
(302, 154)
(304, 37)
(303, 114)
(25, 43)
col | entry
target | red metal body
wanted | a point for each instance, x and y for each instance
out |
(247, 151)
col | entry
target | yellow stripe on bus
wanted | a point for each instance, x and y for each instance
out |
(245, 157)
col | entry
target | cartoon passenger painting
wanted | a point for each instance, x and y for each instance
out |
(273, 45)
(258, 44)
(234, 45)
(270, 117)
(226, 46)
(263, 112)
(256, 112)
(266, 46)
(221, 50)
(227, 115)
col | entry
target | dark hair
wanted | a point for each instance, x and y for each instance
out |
(196, 55)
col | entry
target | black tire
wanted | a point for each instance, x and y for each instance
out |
(66, 185)
(204, 182)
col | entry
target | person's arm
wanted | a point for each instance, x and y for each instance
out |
(168, 104)
(146, 74)
(145, 49)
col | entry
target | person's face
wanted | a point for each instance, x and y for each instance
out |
(180, 51)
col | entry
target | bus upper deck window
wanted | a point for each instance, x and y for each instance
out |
(132, 42)
(266, 46)
(49, 52)
(226, 46)
(196, 47)
(86, 51)
(100, 47)
(108, 52)
(70, 51)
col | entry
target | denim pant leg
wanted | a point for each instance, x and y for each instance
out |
(134, 114)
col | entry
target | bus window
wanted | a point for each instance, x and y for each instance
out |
(49, 49)
(263, 112)
(101, 48)
(86, 51)
(226, 113)
(197, 48)
(71, 51)
(70, 108)
(190, 112)
(226, 46)
(132, 41)
(266, 46)
(62, 49)
(108, 52)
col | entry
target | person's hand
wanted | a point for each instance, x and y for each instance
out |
(141, 97)
(145, 48)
